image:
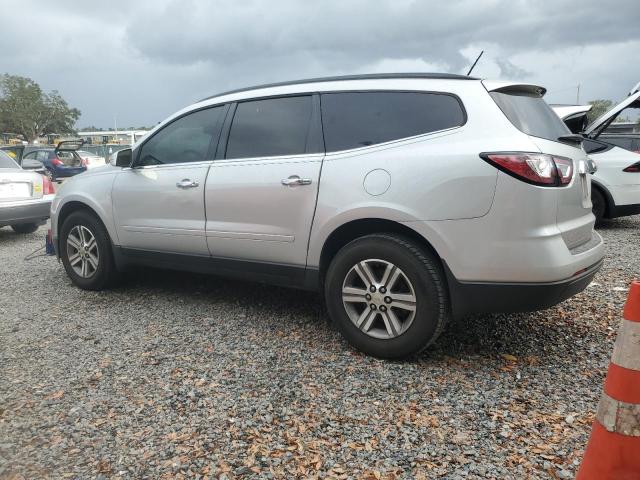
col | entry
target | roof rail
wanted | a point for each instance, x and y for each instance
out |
(368, 76)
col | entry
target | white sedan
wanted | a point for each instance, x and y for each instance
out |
(25, 196)
(91, 160)
(615, 186)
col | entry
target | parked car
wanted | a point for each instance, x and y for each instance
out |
(25, 196)
(616, 185)
(91, 160)
(61, 161)
(406, 199)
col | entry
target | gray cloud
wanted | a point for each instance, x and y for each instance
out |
(136, 63)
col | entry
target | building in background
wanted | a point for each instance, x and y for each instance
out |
(118, 137)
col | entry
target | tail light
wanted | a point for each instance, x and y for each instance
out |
(84, 162)
(535, 168)
(47, 186)
(56, 162)
(632, 168)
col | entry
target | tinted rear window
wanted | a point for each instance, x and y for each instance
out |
(272, 127)
(531, 115)
(359, 119)
(6, 161)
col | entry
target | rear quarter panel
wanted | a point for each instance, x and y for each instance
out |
(433, 177)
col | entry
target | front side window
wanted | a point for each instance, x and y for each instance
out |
(185, 140)
(42, 155)
(270, 127)
(31, 155)
(359, 119)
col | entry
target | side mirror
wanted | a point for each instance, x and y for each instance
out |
(122, 158)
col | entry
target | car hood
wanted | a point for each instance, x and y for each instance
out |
(596, 127)
(573, 115)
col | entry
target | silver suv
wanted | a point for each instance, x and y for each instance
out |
(406, 199)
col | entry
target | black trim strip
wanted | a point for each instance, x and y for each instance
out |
(486, 297)
(295, 276)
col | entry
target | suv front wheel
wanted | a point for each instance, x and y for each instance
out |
(387, 295)
(85, 251)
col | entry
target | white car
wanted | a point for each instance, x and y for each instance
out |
(406, 198)
(25, 196)
(91, 160)
(616, 184)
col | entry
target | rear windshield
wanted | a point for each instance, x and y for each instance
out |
(6, 161)
(531, 115)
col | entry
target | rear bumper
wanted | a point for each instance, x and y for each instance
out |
(488, 297)
(29, 211)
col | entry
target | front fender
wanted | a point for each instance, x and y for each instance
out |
(93, 191)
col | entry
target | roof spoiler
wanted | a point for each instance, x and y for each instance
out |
(526, 89)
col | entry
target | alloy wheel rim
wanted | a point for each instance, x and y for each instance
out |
(82, 251)
(379, 298)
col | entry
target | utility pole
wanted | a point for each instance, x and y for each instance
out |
(578, 95)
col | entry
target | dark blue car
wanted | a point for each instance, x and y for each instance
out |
(60, 162)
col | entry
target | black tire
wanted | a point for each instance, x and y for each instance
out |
(420, 268)
(25, 227)
(106, 274)
(599, 204)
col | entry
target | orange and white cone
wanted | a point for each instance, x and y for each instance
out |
(613, 451)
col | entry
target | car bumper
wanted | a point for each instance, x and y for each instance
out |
(625, 210)
(29, 211)
(488, 297)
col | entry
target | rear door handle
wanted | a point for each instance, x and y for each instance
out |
(187, 183)
(295, 180)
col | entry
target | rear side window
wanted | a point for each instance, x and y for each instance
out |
(531, 114)
(6, 161)
(184, 140)
(360, 119)
(271, 127)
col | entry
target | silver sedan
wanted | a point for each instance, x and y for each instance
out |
(25, 196)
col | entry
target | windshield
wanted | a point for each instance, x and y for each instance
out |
(6, 161)
(531, 115)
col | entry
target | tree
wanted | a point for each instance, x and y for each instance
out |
(598, 108)
(26, 110)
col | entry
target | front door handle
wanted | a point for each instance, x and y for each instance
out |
(295, 180)
(187, 183)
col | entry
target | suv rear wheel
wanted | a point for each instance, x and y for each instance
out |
(85, 250)
(387, 295)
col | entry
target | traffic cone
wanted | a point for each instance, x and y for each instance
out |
(613, 451)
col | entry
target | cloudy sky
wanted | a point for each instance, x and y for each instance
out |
(135, 62)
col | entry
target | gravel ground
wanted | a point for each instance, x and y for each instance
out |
(177, 375)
